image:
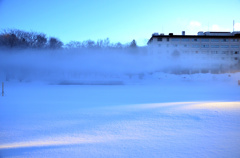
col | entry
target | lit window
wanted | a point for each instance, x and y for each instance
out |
(224, 52)
(205, 40)
(175, 39)
(185, 39)
(224, 46)
(205, 46)
(195, 46)
(214, 46)
(215, 40)
(224, 40)
(234, 40)
(195, 39)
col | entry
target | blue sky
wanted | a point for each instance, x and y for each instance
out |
(120, 20)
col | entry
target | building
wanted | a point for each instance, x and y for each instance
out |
(214, 52)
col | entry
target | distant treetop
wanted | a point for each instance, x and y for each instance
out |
(14, 38)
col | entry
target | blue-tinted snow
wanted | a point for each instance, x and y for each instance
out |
(133, 120)
(58, 105)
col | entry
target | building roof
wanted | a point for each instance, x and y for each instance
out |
(233, 35)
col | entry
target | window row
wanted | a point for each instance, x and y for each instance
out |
(200, 46)
(214, 52)
(198, 40)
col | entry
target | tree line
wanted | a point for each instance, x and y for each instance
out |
(14, 38)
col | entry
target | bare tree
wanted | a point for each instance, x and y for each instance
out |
(22, 39)
(118, 45)
(55, 43)
(40, 41)
(89, 44)
(74, 44)
(133, 44)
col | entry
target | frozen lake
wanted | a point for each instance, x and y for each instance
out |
(168, 119)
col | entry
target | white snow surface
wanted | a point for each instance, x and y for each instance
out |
(171, 116)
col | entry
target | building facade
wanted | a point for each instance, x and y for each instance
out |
(218, 51)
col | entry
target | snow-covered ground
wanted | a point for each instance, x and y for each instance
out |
(164, 116)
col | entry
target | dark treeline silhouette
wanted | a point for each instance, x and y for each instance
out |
(22, 39)
(14, 38)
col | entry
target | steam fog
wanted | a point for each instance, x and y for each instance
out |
(94, 65)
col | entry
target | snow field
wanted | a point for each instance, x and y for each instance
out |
(169, 119)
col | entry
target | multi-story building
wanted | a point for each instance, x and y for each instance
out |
(214, 52)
